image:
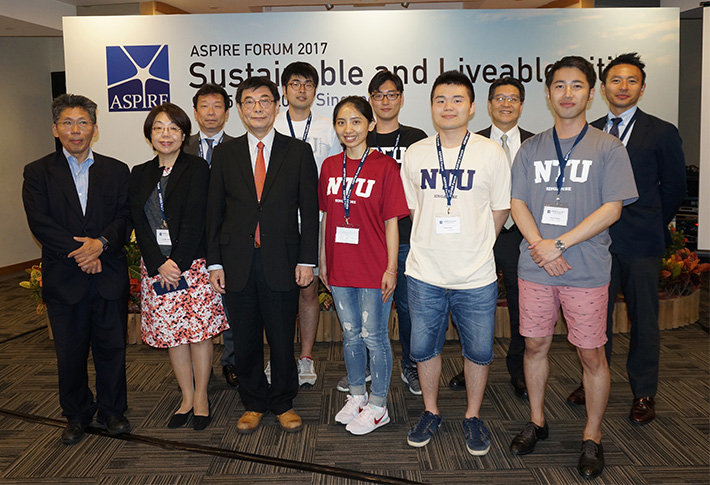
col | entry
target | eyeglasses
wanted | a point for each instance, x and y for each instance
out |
(171, 129)
(69, 124)
(510, 99)
(380, 96)
(263, 102)
(297, 85)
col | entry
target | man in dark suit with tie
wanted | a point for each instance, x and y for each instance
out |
(211, 105)
(505, 105)
(640, 236)
(77, 207)
(256, 256)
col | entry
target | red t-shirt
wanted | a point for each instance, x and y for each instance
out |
(378, 196)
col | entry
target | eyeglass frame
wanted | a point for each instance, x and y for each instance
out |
(308, 85)
(513, 99)
(379, 96)
(251, 103)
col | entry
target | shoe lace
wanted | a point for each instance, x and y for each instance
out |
(473, 425)
(589, 449)
(528, 431)
(425, 422)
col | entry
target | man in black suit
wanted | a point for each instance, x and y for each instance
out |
(640, 236)
(77, 207)
(211, 105)
(505, 105)
(256, 256)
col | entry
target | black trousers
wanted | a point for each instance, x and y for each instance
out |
(100, 325)
(637, 276)
(507, 253)
(252, 311)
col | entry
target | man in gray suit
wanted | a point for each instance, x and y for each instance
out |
(211, 103)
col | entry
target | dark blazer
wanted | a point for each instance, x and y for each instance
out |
(185, 200)
(658, 162)
(55, 217)
(524, 135)
(192, 147)
(233, 212)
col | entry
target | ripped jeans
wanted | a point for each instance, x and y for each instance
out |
(364, 319)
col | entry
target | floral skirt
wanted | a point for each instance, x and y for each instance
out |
(184, 316)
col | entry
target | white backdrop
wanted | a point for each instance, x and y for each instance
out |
(347, 48)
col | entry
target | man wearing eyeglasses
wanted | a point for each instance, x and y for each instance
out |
(505, 105)
(299, 82)
(256, 256)
(392, 138)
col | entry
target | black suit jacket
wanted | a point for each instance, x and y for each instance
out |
(233, 212)
(524, 135)
(55, 217)
(658, 162)
(192, 147)
(185, 201)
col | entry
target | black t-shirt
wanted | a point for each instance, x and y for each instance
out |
(385, 142)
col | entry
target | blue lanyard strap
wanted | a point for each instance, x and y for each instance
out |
(203, 139)
(396, 142)
(308, 125)
(160, 203)
(449, 188)
(347, 191)
(628, 126)
(563, 160)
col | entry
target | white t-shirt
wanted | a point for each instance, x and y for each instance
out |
(463, 260)
(321, 135)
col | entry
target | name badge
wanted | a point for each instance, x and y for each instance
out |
(555, 215)
(448, 225)
(347, 235)
(163, 237)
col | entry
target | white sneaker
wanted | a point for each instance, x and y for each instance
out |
(267, 372)
(371, 418)
(306, 372)
(353, 406)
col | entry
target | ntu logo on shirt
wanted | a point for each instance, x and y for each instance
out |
(363, 187)
(577, 170)
(138, 77)
(464, 180)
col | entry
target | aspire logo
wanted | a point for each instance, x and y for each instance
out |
(138, 77)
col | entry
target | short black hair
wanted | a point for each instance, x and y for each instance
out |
(299, 68)
(456, 78)
(176, 115)
(211, 88)
(382, 77)
(507, 81)
(576, 62)
(631, 58)
(257, 82)
(359, 103)
(65, 101)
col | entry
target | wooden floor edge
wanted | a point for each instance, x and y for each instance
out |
(14, 268)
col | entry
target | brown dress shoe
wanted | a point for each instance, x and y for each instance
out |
(577, 396)
(643, 410)
(290, 421)
(249, 422)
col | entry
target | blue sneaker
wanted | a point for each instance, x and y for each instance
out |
(478, 438)
(426, 427)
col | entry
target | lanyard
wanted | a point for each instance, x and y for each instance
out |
(449, 188)
(162, 206)
(308, 125)
(348, 191)
(396, 142)
(563, 160)
(200, 145)
(628, 127)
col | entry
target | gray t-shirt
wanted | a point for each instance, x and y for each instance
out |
(598, 171)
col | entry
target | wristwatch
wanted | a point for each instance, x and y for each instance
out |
(105, 242)
(560, 245)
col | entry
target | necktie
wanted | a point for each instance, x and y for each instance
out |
(209, 141)
(504, 143)
(614, 130)
(259, 177)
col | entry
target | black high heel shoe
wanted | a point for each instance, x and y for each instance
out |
(179, 420)
(201, 422)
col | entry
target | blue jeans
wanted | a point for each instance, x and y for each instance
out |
(473, 312)
(402, 302)
(364, 319)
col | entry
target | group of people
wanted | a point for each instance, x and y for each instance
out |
(233, 243)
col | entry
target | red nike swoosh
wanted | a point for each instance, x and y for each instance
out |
(377, 421)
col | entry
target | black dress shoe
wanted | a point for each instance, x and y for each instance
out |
(458, 382)
(114, 424)
(178, 420)
(201, 422)
(524, 443)
(519, 386)
(577, 396)
(230, 376)
(73, 433)
(591, 461)
(643, 410)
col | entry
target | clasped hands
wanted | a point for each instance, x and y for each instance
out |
(87, 256)
(544, 253)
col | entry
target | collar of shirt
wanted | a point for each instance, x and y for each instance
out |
(268, 142)
(513, 138)
(216, 138)
(625, 118)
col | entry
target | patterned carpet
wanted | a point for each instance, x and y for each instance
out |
(675, 448)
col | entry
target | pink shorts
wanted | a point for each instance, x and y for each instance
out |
(584, 310)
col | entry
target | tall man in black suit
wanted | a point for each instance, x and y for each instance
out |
(211, 105)
(639, 238)
(505, 105)
(77, 207)
(256, 256)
